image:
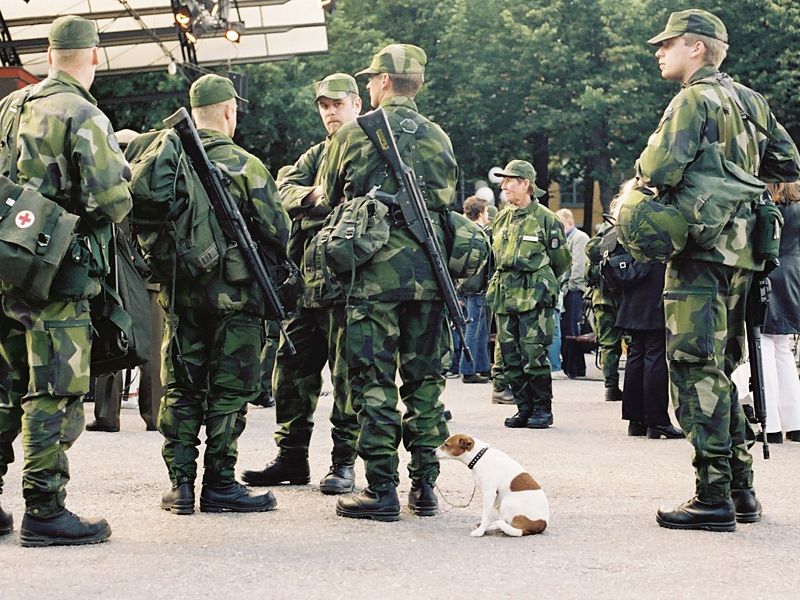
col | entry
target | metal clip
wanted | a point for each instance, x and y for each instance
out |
(43, 240)
(349, 233)
(406, 128)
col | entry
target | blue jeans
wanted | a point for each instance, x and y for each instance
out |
(554, 349)
(477, 337)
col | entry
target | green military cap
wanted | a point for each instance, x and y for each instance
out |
(335, 86)
(71, 33)
(397, 59)
(212, 89)
(525, 170)
(693, 20)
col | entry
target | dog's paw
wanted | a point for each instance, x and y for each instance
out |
(478, 532)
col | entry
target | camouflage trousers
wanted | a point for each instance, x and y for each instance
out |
(44, 373)
(211, 371)
(704, 306)
(609, 339)
(297, 382)
(268, 356)
(523, 341)
(498, 368)
(380, 337)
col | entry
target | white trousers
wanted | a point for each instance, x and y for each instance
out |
(781, 384)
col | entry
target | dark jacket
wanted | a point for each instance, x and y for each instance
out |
(783, 313)
(641, 306)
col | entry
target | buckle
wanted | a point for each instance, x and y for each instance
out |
(43, 240)
(349, 233)
(407, 124)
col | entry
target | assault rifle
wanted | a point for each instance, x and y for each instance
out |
(230, 217)
(415, 213)
(755, 311)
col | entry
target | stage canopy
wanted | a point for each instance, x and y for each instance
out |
(141, 35)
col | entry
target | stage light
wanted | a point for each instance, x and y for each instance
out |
(235, 31)
(185, 15)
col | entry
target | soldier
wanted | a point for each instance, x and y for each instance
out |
(605, 305)
(214, 331)
(68, 153)
(530, 255)
(395, 314)
(704, 295)
(319, 323)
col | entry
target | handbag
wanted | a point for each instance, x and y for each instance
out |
(120, 314)
(35, 232)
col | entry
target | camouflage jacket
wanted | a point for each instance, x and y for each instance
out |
(595, 290)
(400, 270)
(68, 152)
(697, 118)
(531, 254)
(257, 196)
(297, 182)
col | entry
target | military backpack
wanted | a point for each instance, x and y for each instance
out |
(172, 218)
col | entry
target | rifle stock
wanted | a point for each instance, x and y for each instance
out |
(415, 213)
(227, 211)
(756, 308)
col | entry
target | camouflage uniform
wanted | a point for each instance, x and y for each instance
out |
(319, 323)
(606, 307)
(530, 255)
(67, 152)
(704, 295)
(395, 315)
(214, 334)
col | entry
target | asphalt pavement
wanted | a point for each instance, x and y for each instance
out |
(602, 540)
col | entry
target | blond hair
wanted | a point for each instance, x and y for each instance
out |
(71, 57)
(716, 50)
(616, 202)
(785, 193)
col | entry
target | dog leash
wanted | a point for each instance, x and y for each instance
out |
(438, 489)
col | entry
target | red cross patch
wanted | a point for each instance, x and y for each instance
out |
(24, 219)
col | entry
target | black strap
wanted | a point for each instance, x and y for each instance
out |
(478, 456)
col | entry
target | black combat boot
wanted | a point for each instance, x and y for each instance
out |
(6, 522)
(656, 432)
(637, 429)
(520, 419)
(379, 506)
(233, 497)
(541, 418)
(280, 470)
(748, 507)
(696, 514)
(341, 479)
(421, 499)
(613, 394)
(179, 500)
(62, 529)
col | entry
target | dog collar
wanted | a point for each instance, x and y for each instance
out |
(477, 457)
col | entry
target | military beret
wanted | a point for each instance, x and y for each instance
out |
(524, 170)
(397, 59)
(212, 89)
(72, 33)
(335, 86)
(693, 20)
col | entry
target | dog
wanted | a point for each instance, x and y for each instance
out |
(504, 484)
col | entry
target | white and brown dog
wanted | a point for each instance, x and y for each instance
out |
(520, 501)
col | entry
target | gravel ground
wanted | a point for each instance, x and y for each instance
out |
(602, 540)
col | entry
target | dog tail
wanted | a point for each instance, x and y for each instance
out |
(506, 528)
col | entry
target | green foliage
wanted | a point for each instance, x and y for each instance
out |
(504, 73)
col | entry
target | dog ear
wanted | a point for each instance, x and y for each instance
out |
(466, 444)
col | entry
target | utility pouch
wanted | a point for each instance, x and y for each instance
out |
(35, 235)
(767, 235)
